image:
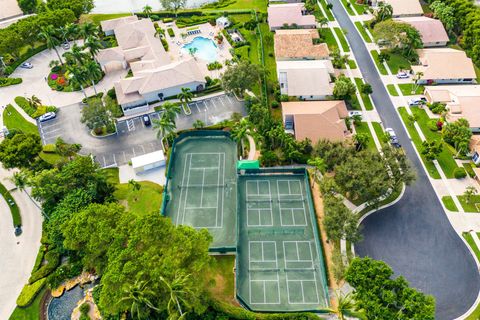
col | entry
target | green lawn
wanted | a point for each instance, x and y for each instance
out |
(14, 210)
(449, 204)
(259, 5)
(147, 199)
(352, 64)
(12, 119)
(360, 8)
(97, 18)
(445, 159)
(475, 315)
(222, 272)
(432, 171)
(406, 89)
(365, 97)
(362, 31)
(329, 13)
(391, 89)
(32, 312)
(468, 167)
(397, 62)
(380, 65)
(328, 38)
(112, 175)
(378, 131)
(348, 7)
(343, 40)
(317, 12)
(362, 127)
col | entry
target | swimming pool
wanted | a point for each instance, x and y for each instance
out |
(206, 48)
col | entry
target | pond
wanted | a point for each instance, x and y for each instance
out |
(206, 48)
(117, 6)
(61, 308)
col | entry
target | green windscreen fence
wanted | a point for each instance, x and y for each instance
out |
(248, 165)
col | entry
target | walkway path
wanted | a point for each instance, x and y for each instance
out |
(414, 236)
(17, 254)
(253, 148)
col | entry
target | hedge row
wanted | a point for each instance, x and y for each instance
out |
(53, 261)
(30, 110)
(29, 292)
(5, 82)
(15, 211)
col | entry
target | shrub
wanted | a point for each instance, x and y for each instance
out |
(432, 125)
(65, 272)
(275, 104)
(170, 32)
(29, 292)
(154, 17)
(53, 259)
(164, 43)
(23, 103)
(366, 88)
(49, 148)
(167, 20)
(214, 66)
(459, 173)
(5, 82)
(437, 107)
(56, 69)
(85, 308)
(112, 94)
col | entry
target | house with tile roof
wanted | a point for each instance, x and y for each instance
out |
(288, 14)
(431, 31)
(403, 8)
(299, 44)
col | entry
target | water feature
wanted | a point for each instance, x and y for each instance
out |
(116, 6)
(206, 48)
(61, 308)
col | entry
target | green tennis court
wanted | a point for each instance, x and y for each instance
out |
(202, 187)
(279, 259)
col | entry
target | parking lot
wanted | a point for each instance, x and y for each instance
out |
(133, 138)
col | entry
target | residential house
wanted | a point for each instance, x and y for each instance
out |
(299, 44)
(306, 79)
(155, 75)
(109, 26)
(316, 120)
(402, 8)
(290, 14)
(462, 101)
(431, 31)
(444, 66)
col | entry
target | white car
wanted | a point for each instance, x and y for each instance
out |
(26, 65)
(47, 116)
(417, 101)
(66, 45)
(352, 114)
(403, 75)
(391, 133)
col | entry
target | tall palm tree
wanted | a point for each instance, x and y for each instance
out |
(71, 31)
(87, 29)
(93, 45)
(93, 72)
(34, 101)
(346, 306)
(240, 131)
(147, 10)
(164, 126)
(140, 299)
(75, 56)
(78, 77)
(49, 35)
(319, 165)
(185, 96)
(170, 110)
(179, 292)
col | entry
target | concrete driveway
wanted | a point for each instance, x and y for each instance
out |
(133, 138)
(414, 236)
(17, 254)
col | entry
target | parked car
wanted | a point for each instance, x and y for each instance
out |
(146, 120)
(402, 75)
(66, 45)
(18, 230)
(417, 101)
(390, 132)
(352, 114)
(395, 143)
(47, 116)
(26, 65)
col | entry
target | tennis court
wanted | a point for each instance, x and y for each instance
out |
(202, 188)
(279, 260)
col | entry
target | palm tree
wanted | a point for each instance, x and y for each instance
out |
(240, 131)
(87, 29)
(48, 34)
(93, 45)
(470, 191)
(75, 56)
(164, 126)
(323, 22)
(34, 102)
(192, 51)
(179, 291)
(147, 10)
(346, 306)
(20, 180)
(198, 124)
(93, 73)
(78, 78)
(140, 299)
(71, 30)
(417, 77)
(361, 140)
(384, 12)
(170, 110)
(185, 96)
(319, 165)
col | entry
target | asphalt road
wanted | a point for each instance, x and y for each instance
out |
(414, 236)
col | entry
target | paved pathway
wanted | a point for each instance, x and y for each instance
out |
(17, 254)
(414, 236)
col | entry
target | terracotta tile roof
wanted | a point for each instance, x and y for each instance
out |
(431, 30)
(298, 44)
(405, 7)
(289, 13)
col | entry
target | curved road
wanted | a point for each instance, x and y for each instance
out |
(414, 236)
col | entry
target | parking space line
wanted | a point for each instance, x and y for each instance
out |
(229, 99)
(214, 104)
(114, 159)
(134, 154)
(124, 156)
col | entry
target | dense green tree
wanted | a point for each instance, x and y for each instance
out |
(77, 6)
(27, 6)
(65, 149)
(49, 35)
(164, 126)
(344, 88)
(383, 12)
(398, 36)
(445, 13)
(432, 149)
(361, 140)
(173, 5)
(339, 222)
(19, 150)
(240, 77)
(458, 135)
(382, 297)
(95, 115)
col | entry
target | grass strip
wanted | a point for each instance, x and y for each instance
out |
(14, 210)
(362, 127)
(365, 97)
(449, 204)
(12, 119)
(397, 62)
(329, 13)
(328, 38)
(363, 32)
(343, 40)
(352, 64)
(380, 66)
(391, 89)
(348, 7)
(432, 171)
(377, 127)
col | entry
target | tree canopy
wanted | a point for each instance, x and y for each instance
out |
(19, 150)
(398, 36)
(77, 6)
(382, 297)
(240, 77)
(457, 134)
(344, 88)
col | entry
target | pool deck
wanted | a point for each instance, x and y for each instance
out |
(207, 31)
